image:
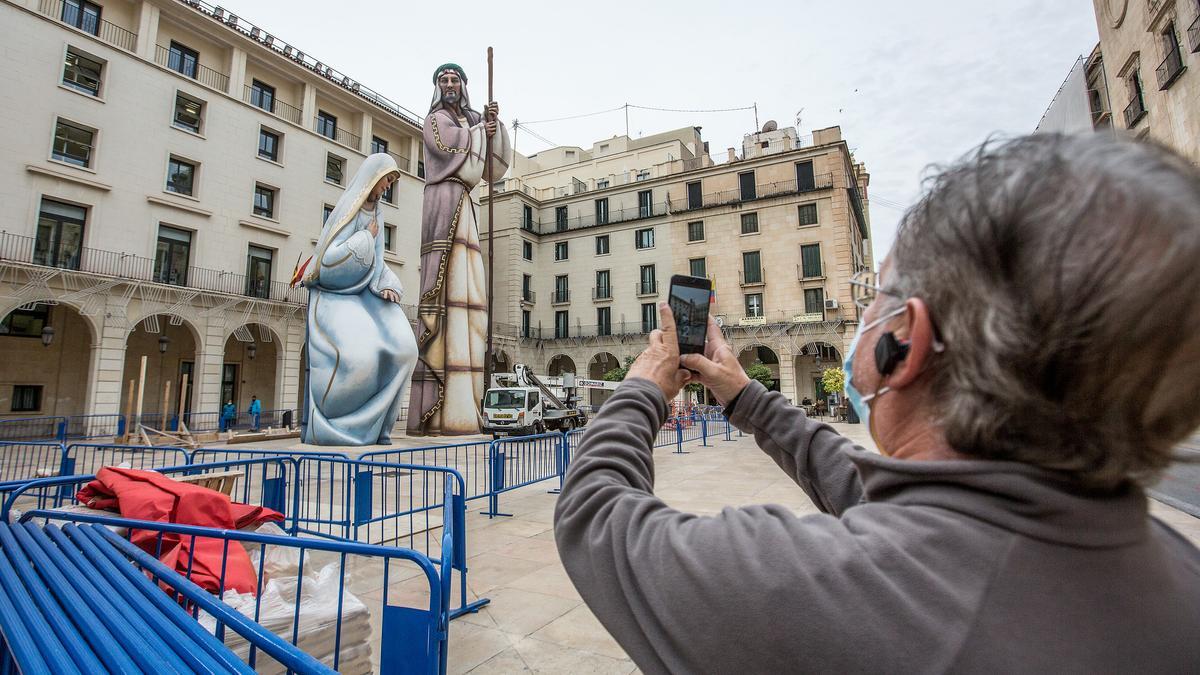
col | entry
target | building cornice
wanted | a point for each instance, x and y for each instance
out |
(265, 228)
(78, 180)
(176, 205)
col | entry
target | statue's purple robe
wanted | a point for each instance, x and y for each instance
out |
(448, 385)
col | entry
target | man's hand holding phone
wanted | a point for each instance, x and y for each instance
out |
(718, 368)
(659, 363)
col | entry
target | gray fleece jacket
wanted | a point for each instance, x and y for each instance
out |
(914, 566)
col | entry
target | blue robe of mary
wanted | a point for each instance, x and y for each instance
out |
(361, 348)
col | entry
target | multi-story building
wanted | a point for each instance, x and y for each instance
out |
(165, 166)
(586, 241)
(1148, 46)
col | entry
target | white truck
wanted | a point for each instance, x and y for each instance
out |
(519, 403)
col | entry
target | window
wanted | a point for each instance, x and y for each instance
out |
(697, 267)
(26, 322)
(82, 73)
(181, 176)
(694, 199)
(525, 323)
(264, 201)
(229, 381)
(326, 124)
(1137, 103)
(696, 231)
(810, 260)
(603, 321)
(560, 218)
(189, 113)
(601, 211)
(647, 284)
(746, 185)
(562, 325)
(389, 237)
(643, 174)
(172, 255)
(335, 168)
(83, 15)
(602, 245)
(754, 304)
(26, 397)
(326, 210)
(73, 143)
(805, 180)
(645, 208)
(59, 240)
(527, 250)
(526, 292)
(182, 60)
(814, 301)
(378, 145)
(1172, 64)
(258, 271)
(649, 317)
(644, 238)
(751, 268)
(527, 217)
(560, 250)
(603, 286)
(601, 183)
(268, 144)
(808, 214)
(262, 96)
(562, 292)
(749, 223)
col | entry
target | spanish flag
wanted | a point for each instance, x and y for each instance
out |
(298, 271)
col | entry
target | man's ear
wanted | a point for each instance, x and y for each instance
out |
(916, 331)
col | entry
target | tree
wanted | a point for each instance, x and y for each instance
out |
(618, 374)
(833, 380)
(758, 371)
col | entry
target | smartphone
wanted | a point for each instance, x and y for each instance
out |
(689, 300)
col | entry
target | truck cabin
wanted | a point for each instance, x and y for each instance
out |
(511, 399)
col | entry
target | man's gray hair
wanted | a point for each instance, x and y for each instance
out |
(1061, 273)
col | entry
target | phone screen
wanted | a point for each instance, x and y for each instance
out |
(689, 305)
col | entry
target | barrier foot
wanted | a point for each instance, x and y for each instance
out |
(493, 514)
(469, 609)
(555, 491)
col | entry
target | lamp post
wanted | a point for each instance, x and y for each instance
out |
(252, 350)
(163, 341)
(47, 335)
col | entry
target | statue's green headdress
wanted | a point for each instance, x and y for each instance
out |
(450, 66)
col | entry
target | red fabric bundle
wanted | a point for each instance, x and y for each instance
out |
(149, 495)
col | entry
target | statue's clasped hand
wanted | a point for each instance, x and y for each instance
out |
(491, 114)
(390, 295)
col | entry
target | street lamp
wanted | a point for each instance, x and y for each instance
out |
(252, 350)
(163, 341)
(47, 335)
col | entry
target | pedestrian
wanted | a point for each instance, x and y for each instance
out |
(255, 411)
(1019, 411)
(228, 413)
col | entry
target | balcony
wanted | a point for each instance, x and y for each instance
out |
(1193, 32)
(761, 191)
(338, 135)
(1134, 112)
(560, 297)
(601, 293)
(202, 74)
(106, 31)
(403, 162)
(528, 297)
(590, 220)
(646, 288)
(278, 108)
(801, 276)
(1170, 69)
(15, 248)
(613, 329)
(751, 278)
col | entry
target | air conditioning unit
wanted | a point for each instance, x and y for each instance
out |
(831, 303)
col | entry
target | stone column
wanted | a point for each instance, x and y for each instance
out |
(366, 128)
(787, 375)
(308, 107)
(237, 73)
(288, 381)
(106, 368)
(210, 357)
(147, 30)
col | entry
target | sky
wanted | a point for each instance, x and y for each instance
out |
(912, 84)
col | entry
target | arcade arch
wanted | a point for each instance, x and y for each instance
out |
(810, 363)
(761, 354)
(169, 343)
(46, 368)
(599, 365)
(251, 367)
(559, 364)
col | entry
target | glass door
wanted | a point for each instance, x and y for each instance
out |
(258, 272)
(171, 258)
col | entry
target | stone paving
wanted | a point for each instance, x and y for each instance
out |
(536, 621)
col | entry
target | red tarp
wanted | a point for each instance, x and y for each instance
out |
(149, 495)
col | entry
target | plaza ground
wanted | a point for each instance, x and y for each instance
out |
(536, 622)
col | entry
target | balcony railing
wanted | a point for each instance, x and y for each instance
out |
(403, 162)
(761, 191)
(753, 278)
(203, 74)
(591, 219)
(22, 249)
(528, 297)
(1170, 69)
(278, 108)
(106, 30)
(339, 135)
(1134, 112)
(602, 293)
(560, 297)
(645, 288)
(1194, 35)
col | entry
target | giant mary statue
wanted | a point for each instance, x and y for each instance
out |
(361, 349)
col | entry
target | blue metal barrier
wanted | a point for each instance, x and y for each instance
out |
(469, 459)
(87, 458)
(31, 460)
(33, 429)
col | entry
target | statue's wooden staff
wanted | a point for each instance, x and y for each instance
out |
(487, 361)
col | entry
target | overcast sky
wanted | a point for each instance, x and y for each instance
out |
(911, 83)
